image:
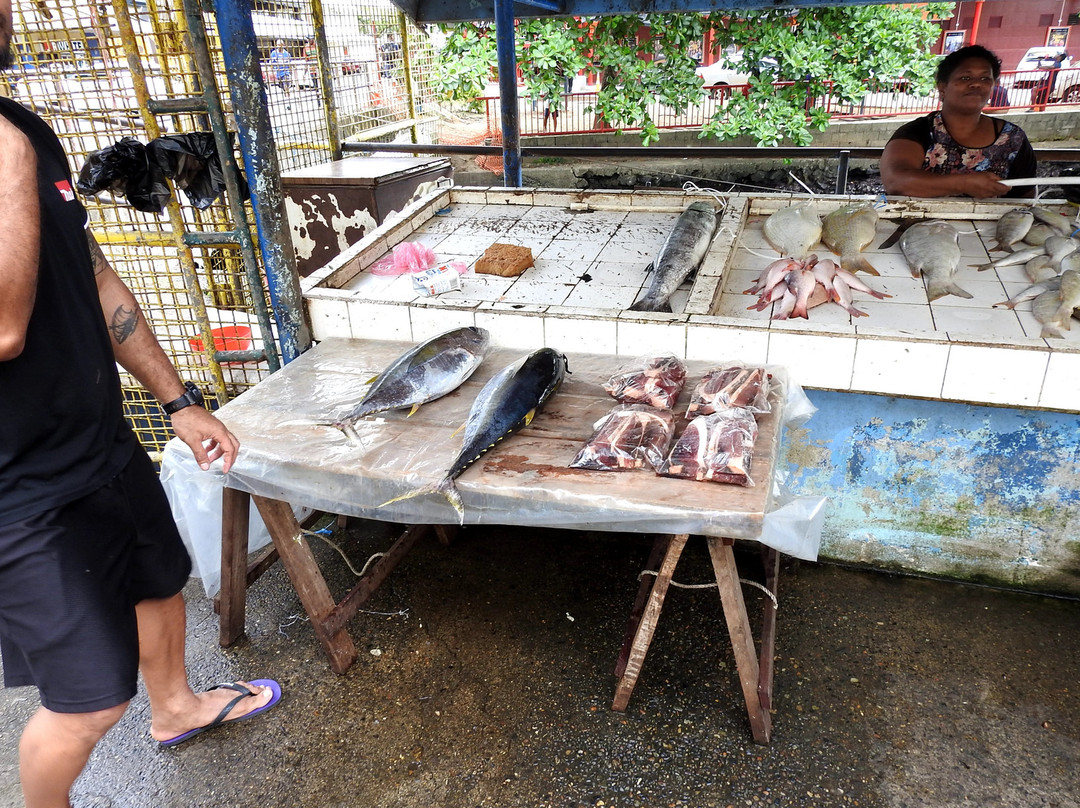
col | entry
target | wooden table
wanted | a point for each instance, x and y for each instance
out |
(289, 456)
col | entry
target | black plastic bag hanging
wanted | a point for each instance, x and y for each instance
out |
(123, 169)
(192, 162)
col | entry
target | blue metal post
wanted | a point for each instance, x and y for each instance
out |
(508, 97)
(256, 139)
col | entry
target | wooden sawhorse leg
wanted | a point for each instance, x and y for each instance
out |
(327, 617)
(755, 673)
(747, 662)
(642, 629)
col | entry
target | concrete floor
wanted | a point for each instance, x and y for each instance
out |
(485, 679)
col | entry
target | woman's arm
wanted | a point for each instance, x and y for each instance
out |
(902, 173)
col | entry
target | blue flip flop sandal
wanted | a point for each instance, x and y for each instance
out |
(220, 720)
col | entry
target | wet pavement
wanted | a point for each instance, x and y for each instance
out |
(485, 679)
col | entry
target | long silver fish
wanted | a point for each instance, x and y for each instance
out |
(679, 255)
(424, 373)
(793, 231)
(1031, 292)
(933, 249)
(508, 402)
(1013, 258)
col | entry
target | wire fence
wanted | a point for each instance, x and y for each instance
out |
(94, 71)
(575, 112)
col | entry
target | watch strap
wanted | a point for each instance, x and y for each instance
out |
(192, 395)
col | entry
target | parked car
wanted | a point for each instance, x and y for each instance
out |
(1034, 70)
(719, 74)
(1034, 66)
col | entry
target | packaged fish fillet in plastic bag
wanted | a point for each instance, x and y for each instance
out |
(657, 382)
(731, 385)
(628, 437)
(715, 448)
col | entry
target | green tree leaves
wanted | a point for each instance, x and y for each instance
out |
(644, 60)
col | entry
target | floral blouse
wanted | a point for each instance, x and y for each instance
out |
(1009, 156)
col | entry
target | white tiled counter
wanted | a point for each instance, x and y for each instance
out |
(591, 251)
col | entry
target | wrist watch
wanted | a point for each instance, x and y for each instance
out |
(192, 396)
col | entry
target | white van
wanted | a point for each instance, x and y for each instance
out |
(1034, 65)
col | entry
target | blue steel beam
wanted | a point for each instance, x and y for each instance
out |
(508, 97)
(256, 140)
(426, 11)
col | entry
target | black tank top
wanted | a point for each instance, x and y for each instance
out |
(62, 429)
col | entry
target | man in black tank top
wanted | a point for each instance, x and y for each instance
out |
(91, 564)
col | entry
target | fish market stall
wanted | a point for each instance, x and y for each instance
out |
(305, 442)
(947, 433)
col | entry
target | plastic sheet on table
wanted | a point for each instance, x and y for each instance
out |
(291, 451)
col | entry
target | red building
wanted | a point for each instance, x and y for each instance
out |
(1010, 27)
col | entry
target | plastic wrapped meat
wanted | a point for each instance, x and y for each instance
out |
(658, 383)
(626, 438)
(730, 386)
(715, 448)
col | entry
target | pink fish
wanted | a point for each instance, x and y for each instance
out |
(843, 294)
(803, 283)
(771, 275)
(824, 271)
(786, 304)
(858, 285)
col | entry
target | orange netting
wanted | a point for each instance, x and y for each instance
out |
(479, 133)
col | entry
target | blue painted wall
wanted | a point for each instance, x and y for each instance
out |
(975, 493)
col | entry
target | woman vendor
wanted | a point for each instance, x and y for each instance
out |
(958, 151)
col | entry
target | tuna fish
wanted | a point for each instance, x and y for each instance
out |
(933, 249)
(793, 231)
(847, 231)
(507, 403)
(1012, 227)
(680, 254)
(424, 373)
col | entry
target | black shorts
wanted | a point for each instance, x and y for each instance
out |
(69, 582)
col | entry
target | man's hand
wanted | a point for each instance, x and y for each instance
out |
(206, 436)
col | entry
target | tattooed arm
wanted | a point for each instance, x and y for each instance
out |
(19, 237)
(137, 349)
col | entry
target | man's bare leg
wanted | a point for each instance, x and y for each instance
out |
(174, 707)
(54, 749)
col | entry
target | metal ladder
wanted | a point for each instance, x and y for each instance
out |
(206, 103)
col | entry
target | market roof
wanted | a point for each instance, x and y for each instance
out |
(425, 11)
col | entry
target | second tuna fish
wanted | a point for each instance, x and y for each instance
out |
(507, 403)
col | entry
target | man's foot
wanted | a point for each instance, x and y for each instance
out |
(222, 704)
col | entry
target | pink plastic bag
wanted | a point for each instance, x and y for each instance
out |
(411, 258)
(407, 257)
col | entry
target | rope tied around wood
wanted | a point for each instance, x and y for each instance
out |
(762, 587)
